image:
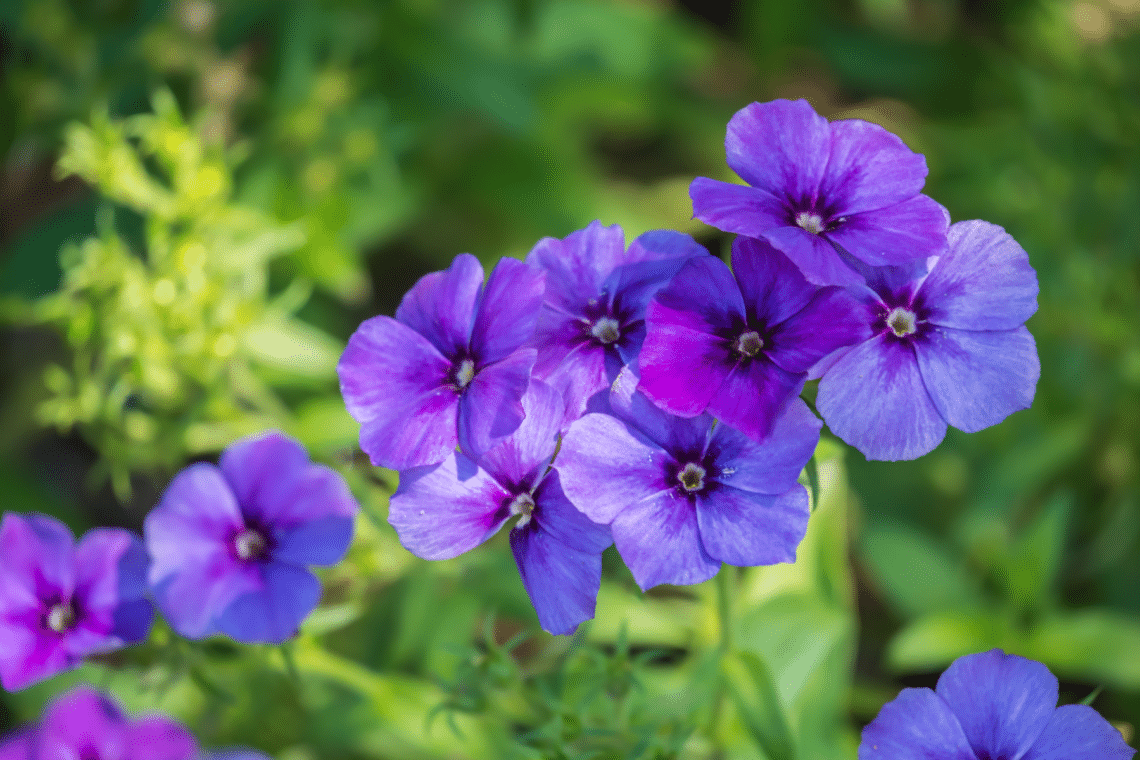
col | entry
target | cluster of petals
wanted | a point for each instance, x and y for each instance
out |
(990, 706)
(61, 602)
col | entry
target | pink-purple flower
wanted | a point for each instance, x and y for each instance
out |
(60, 602)
(231, 544)
(817, 188)
(944, 346)
(990, 706)
(449, 369)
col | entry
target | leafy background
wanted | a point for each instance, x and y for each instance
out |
(199, 201)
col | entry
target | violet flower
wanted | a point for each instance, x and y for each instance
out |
(60, 602)
(740, 349)
(990, 706)
(944, 347)
(231, 544)
(451, 367)
(684, 495)
(443, 511)
(593, 315)
(814, 184)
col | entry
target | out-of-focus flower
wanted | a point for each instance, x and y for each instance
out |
(817, 185)
(231, 544)
(60, 602)
(449, 369)
(990, 706)
(593, 314)
(945, 347)
(443, 511)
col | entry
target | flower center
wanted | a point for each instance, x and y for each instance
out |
(902, 321)
(813, 223)
(60, 617)
(523, 505)
(464, 373)
(250, 544)
(692, 477)
(749, 343)
(606, 330)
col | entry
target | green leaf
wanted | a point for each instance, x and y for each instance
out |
(933, 642)
(1034, 563)
(917, 574)
(754, 694)
(1093, 645)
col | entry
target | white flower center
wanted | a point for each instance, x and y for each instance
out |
(523, 505)
(749, 343)
(692, 477)
(606, 330)
(60, 618)
(813, 223)
(464, 374)
(250, 544)
(902, 321)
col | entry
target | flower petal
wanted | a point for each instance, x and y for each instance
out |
(977, 379)
(39, 558)
(272, 613)
(869, 168)
(158, 738)
(491, 406)
(753, 396)
(834, 318)
(659, 539)
(738, 209)
(26, 657)
(781, 146)
(193, 522)
(772, 286)
(874, 399)
(894, 235)
(515, 458)
(421, 432)
(915, 725)
(1078, 732)
(193, 599)
(320, 541)
(814, 255)
(770, 467)
(747, 528)
(111, 577)
(562, 582)
(508, 310)
(18, 745)
(556, 516)
(82, 723)
(258, 464)
(441, 306)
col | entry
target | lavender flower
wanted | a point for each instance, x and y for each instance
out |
(815, 185)
(990, 706)
(944, 347)
(443, 511)
(60, 602)
(17, 745)
(740, 348)
(684, 495)
(449, 369)
(593, 315)
(231, 544)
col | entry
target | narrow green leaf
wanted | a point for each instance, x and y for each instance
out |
(757, 702)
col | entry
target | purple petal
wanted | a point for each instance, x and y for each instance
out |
(772, 286)
(111, 578)
(158, 738)
(83, 723)
(314, 492)
(562, 582)
(753, 395)
(508, 310)
(664, 430)
(781, 147)
(659, 539)
(320, 541)
(1002, 701)
(193, 522)
(977, 379)
(582, 373)
(869, 168)
(663, 246)
(577, 266)
(192, 600)
(254, 466)
(982, 282)
(18, 745)
(39, 558)
(896, 234)
(515, 458)
(916, 725)
(26, 657)
(420, 433)
(770, 467)
(746, 528)
(736, 208)
(654, 259)
(235, 754)
(814, 255)
(491, 406)
(874, 399)
(556, 516)
(272, 613)
(442, 512)
(1078, 732)
(441, 306)
(834, 319)
(19, 574)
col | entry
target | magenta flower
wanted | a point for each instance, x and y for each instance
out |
(944, 347)
(816, 185)
(990, 706)
(682, 495)
(593, 315)
(60, 602)
(740, 348)
(449, 370)
(231, 544)
(443, 511)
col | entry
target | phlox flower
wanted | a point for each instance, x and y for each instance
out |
(231, 544)
(443, 511)
(592, 321)
(60, 602)
(683, 495)
(990, 706)
(944, 344)
(740, 347)
(815, 185)
(449, 369)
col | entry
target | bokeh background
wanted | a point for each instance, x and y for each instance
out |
(201, 199)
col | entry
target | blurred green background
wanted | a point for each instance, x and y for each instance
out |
(199, 201)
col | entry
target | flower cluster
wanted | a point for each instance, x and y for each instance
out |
(649, 395)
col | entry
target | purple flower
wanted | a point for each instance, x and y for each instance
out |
(593, 314)
(60, 602)
(944, 347)
(740, 348)
(443, 511)
(449, 369)
(231, 544)
(684, 495)
(18, 745)
(815, 185)
(990, 706)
